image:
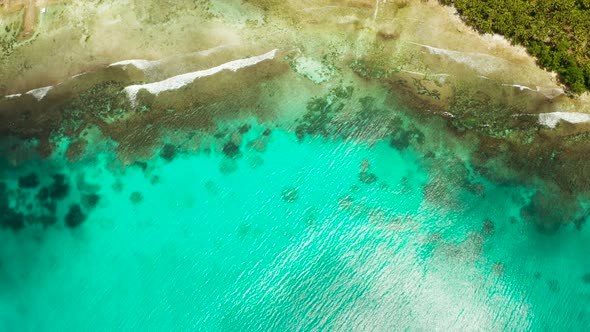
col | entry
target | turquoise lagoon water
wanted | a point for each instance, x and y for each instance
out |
(287, 235)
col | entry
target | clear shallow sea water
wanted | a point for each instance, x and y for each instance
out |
(288, 238)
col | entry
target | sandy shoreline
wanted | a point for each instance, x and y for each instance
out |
(84, 28)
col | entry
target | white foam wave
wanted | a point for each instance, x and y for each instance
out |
(480, 62)
(521, 87)
(179, 81)
(145, 65)
(40, 93)
(139, 64)
(425, 74)
(552, 119)
(16, 95)
(547, 92)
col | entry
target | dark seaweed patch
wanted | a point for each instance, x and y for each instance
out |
(30, 181)
(266, 132)
(586, 278)
(75, 217)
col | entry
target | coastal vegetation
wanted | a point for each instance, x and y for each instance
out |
(557, 33)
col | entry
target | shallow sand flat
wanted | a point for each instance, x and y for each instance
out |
(128, 30)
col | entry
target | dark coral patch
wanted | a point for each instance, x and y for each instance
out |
(117, 186)
(499, 268)
(91, 200)
(549, 211)
(155, 180)
(141, 164)
(47, 220)
(554, 285)
(367, 177)
(3, 197)
(75, 217)
(136, 197)
(45, 200)
(13, 220)
(244, 128)
(402, 139)
(60, 187)
(168, 152)
(488, 227)
(231, 149)
(30, 181)
(266, 132)
(220, 134)
(586, 278)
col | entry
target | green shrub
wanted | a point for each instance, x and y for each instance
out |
(556, 32)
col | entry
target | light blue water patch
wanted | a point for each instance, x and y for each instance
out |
(290, 238)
